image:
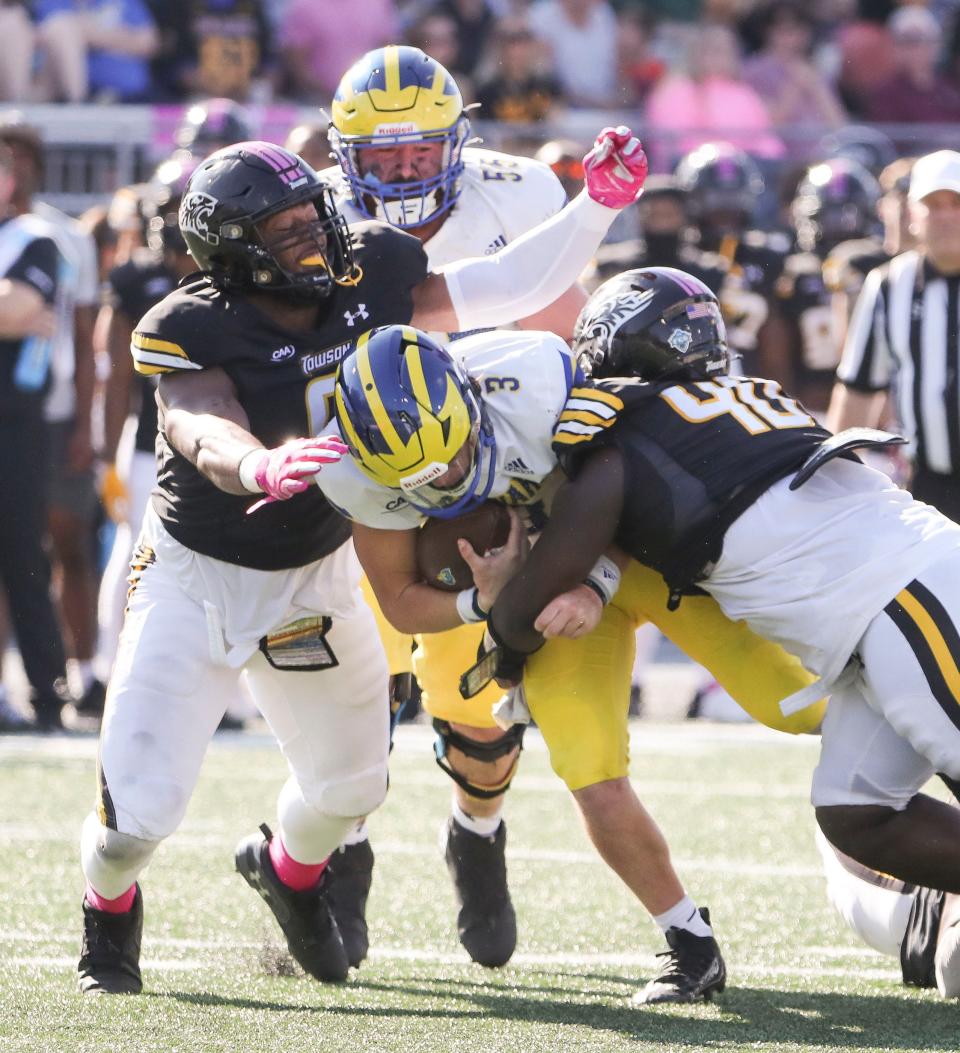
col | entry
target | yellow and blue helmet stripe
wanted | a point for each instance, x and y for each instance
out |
(406, 409)
(398, 95)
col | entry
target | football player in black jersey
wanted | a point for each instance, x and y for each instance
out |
(849, 262)
(722, 185)
(246, 357)
(729, 485)
(836, 201)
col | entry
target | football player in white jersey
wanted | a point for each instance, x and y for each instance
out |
(399, 132)
(433, 432)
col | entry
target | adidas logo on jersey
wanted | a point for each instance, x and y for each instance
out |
(283, 353)
(495, 246)
(517, 467)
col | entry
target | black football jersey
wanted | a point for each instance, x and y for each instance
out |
(133, 288)
(815, 342)
(284, 380)
(696, 455)
(747, 271)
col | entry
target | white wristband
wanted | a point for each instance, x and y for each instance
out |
(468, 606)
(604, 578)
(531, 272)
(247, 468)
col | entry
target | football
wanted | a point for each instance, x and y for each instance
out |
(438, 557)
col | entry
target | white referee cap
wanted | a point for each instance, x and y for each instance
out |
(936, 171)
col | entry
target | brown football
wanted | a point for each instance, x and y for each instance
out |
(438, 557)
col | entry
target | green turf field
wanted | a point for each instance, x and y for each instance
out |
(732, 801)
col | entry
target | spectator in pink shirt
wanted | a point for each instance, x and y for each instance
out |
(710, 102)
(321, 38)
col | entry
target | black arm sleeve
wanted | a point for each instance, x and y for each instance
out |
(582, 525)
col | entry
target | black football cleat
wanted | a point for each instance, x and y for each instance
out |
(486, 922)
(305, 918)
(110, 952)
(349, 875)
(693, 969)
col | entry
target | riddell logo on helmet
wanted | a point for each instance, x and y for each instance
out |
(424, 476)
(407, 128)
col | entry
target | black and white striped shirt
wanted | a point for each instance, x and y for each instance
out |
(905, 335)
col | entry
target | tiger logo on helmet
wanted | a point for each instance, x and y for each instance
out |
(398, 96)
(414, 422)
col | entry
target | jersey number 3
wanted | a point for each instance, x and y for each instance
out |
(756, 405)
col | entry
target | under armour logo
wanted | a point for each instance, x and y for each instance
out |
(352, 316)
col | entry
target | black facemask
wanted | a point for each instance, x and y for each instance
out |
(662, 247)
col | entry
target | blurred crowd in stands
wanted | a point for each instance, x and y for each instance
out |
(749, 65)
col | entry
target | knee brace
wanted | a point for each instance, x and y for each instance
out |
(486, 752)
(111, 861)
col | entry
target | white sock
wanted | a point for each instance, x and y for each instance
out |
(683, 915)
(83, 670)
(358, 834)
(483, 826)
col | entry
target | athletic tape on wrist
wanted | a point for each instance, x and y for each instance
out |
(468, 606)
(604, 579)
(247, 468)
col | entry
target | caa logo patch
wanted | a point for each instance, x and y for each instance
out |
(283, 353)
(680, 340)
(195, 212)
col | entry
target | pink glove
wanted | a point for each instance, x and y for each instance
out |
(615, 168)
(288, 469)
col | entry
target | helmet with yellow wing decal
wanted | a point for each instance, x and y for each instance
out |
(399, 96)
(414, 422)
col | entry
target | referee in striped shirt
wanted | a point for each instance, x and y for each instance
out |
(904, 338)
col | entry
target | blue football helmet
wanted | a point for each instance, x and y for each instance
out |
(414, 422)
(395, 96)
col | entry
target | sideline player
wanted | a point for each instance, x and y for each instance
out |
(245, 357)
(728, 485)
(414, 170)
(435, 435)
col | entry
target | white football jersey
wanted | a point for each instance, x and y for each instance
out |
(525, 379)
(502, 197)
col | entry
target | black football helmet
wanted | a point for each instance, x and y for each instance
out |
(161, 203)
(862, 143)
(655, 323)
(835, 201)
(240, 186)
(212, 124)
(719, 180)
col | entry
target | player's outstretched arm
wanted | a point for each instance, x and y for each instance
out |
(205, 422)
(582, 525)
(535, 270)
